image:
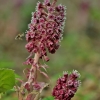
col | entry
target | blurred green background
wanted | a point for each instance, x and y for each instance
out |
(80, 47)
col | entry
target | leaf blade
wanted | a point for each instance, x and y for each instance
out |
(7, 79)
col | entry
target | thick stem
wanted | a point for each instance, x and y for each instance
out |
(32, 75)
(34, 68)
(36, 58)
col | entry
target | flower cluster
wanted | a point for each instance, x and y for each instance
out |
(45, 29)
(66, 86)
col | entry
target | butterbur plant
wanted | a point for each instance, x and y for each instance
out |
(43, 36)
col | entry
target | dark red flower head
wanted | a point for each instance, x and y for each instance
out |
(66, 86)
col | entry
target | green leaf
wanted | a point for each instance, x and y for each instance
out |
(7, 79)
(49, 98)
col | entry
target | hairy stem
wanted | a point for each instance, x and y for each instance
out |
(32, 77)
(34, 68)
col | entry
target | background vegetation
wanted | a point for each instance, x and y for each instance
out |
(80, 47)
